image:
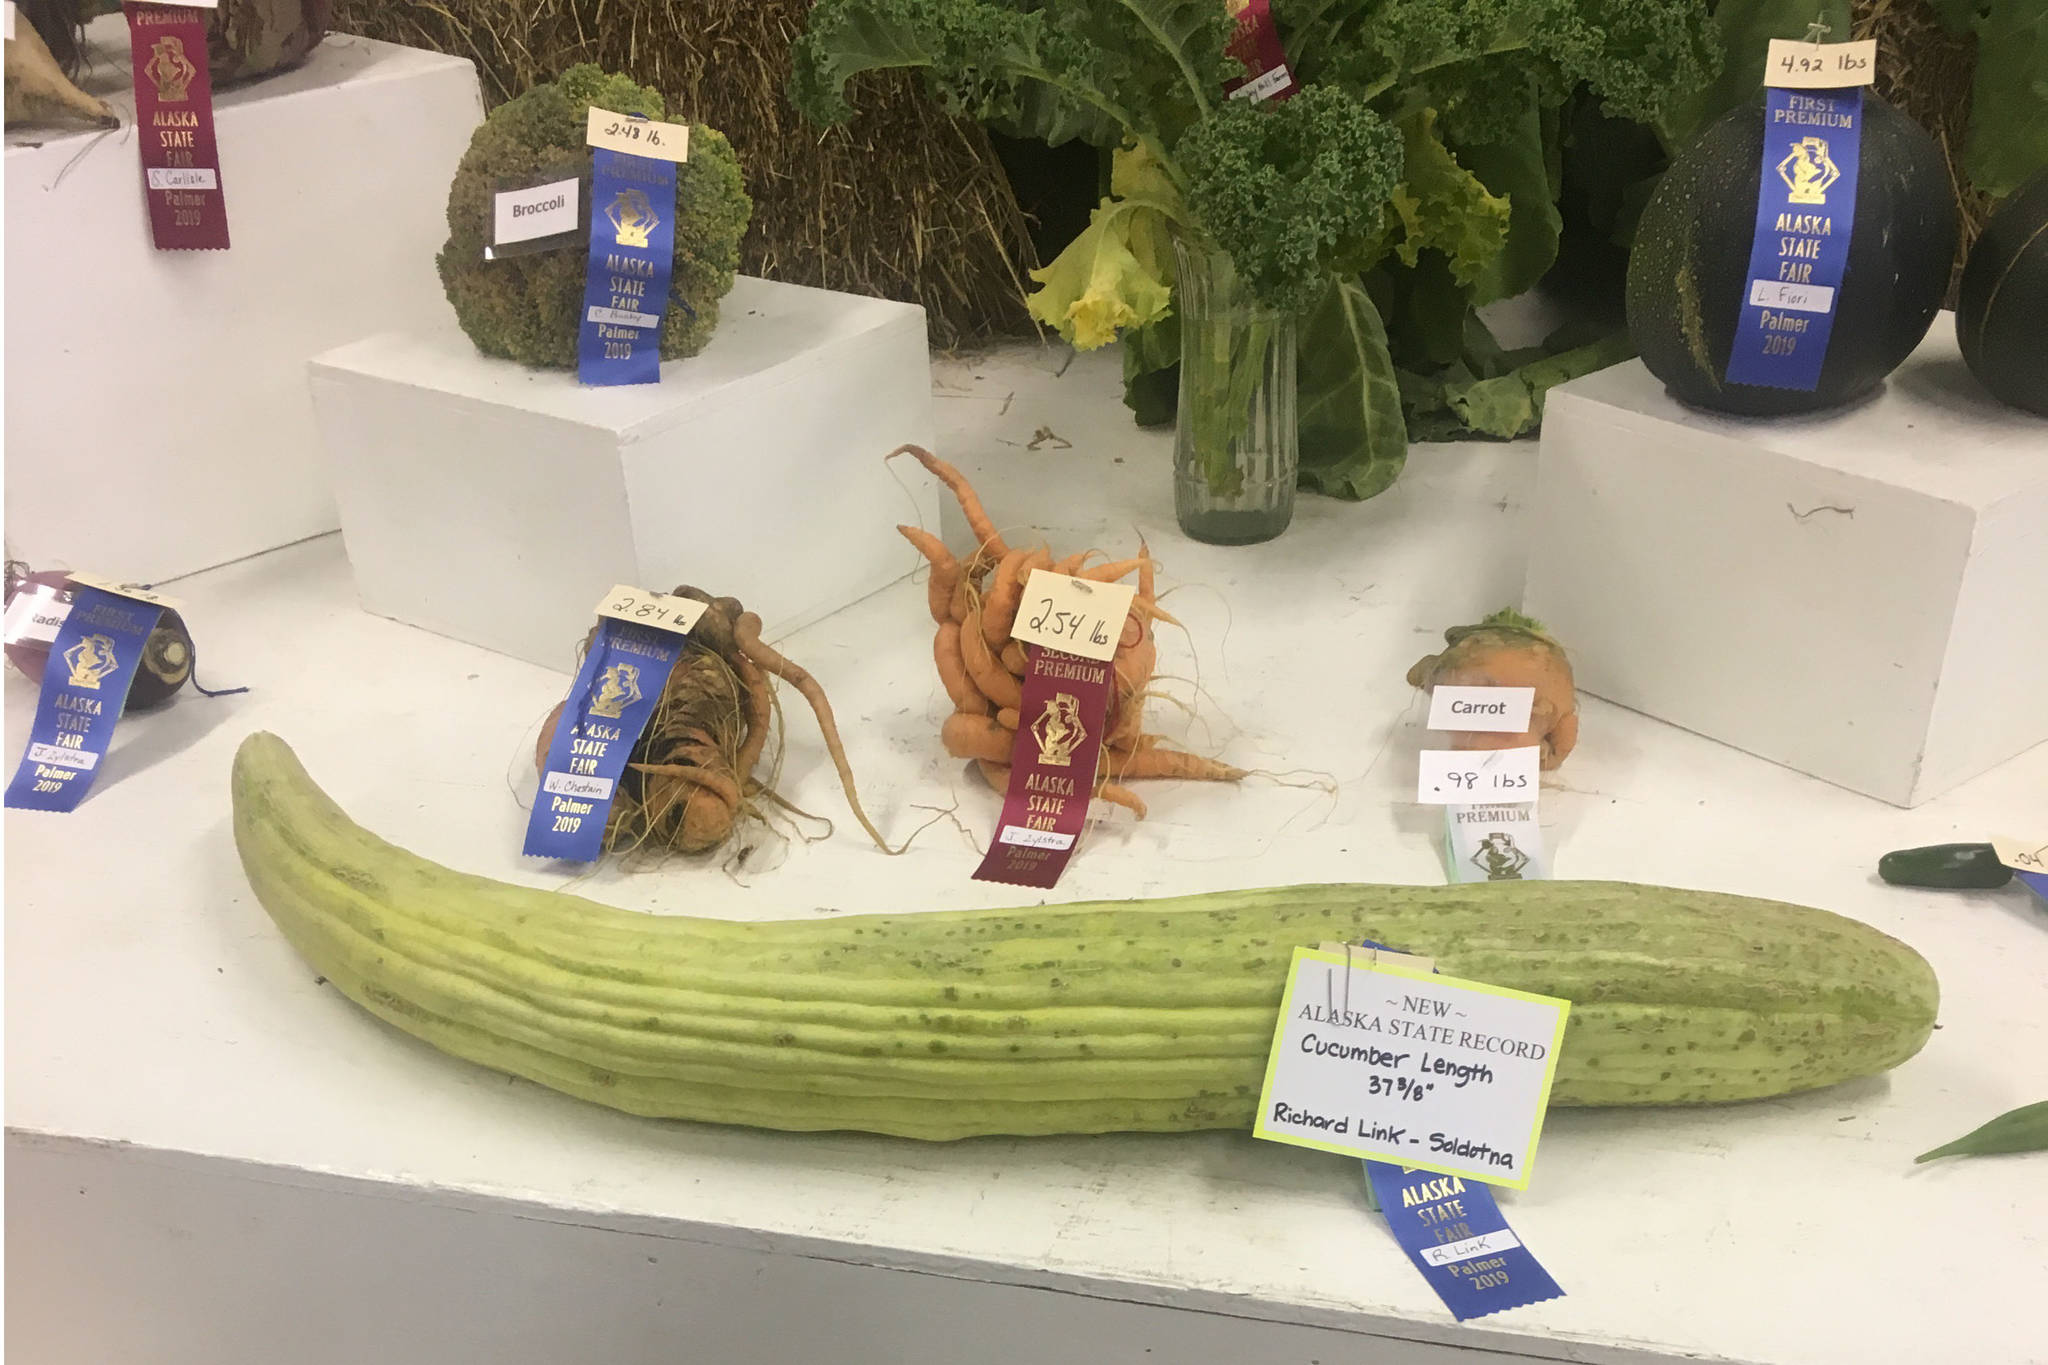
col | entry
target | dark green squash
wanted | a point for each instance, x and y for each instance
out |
(2002, 306)
(1689, 271)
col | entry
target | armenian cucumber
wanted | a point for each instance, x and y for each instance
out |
(1092, 1017)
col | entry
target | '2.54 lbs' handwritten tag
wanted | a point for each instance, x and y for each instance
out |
(1073, 615)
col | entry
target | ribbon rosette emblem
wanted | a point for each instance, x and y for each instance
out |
(1808, 170)
(1058, 730)
(632, 218)
(619, 690)
(90, 660)
(170, 70)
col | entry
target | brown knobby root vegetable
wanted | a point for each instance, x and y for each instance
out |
(976, 602)
(38, 91)
(1507, 649)
(693, 771)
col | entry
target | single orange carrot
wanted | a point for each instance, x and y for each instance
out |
(995, 682)
(1005, 591)
(953, 671)
(1123, 796)
(746, 633)
(978, 737)
(1008, 718)
(1016, 659)
(945, 570)
(1110, 572)
(1170, 763)
(985, 533)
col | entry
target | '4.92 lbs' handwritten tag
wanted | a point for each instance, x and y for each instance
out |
(1381, 1061)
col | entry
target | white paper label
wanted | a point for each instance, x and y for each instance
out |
(571, 784)
(1422, 1071)
(1797, 65)
(620, 317)
(677, 614)
(2022, 855)
(61, 757)
(155, 599)
(183, 178)
(1073, 615)
(36, 614)
(536, 211)
(7, 22)
(1035, 838)
(1498, 843)
(637, 136)
(1793, 298)
(1459, 777)
(1486, 1244)
(1502, 709)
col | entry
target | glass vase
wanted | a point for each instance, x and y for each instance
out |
(1234, 448)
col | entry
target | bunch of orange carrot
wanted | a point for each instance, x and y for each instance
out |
(975, 604)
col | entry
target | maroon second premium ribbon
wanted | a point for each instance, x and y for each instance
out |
(174, 118)
(1256, 43)
(1052, 769)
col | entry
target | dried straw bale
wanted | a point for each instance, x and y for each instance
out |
(906, 202)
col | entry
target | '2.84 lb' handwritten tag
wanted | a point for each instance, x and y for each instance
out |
(1379, 1061)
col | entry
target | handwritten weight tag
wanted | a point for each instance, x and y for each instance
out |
(188, 209)
(614, 695)
(85, 684)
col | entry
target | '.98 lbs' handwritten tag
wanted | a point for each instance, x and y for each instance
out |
(1380, 1061)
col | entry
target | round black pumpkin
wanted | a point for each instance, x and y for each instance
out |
(1688, 274)
(2002, 305)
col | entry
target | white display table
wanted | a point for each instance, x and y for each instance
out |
(213, 1158)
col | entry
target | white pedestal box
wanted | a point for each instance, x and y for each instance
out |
(494, 503)
(157, 420)
(1855, 594)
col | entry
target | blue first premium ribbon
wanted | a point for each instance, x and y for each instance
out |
(622, 677)
(1454, 1232)
(1805, 212)
(632, 254)
(85, 684)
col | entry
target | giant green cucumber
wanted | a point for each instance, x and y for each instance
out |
(1093, 1017)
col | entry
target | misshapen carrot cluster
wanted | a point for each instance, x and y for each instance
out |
(974, 603)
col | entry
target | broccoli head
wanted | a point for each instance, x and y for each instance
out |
(527, 308)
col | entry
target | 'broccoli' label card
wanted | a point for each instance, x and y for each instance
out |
(1376, 1060)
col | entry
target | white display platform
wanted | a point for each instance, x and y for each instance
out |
(212, 1158)
(157, 419)
(493, 503)
(1854, 594)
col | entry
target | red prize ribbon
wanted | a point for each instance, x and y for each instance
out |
(1257, 44)
(174, 118)
(1052, 769)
